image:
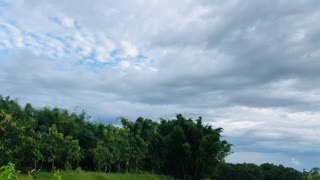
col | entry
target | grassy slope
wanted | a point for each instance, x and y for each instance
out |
(72, 175)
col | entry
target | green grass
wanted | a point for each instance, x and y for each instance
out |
(73, 175)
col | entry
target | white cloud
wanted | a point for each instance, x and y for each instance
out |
(104, 48)
(294, 161)
(79, 43)
(68, 21)
(129, 49)
(125, 64)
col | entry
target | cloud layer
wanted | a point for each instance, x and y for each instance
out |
(250, 67)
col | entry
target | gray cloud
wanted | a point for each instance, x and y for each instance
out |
(250, 67)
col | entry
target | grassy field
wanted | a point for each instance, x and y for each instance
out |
(73, 175)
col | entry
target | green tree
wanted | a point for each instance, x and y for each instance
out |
(53, 142)
(102, 156)
(72, 152)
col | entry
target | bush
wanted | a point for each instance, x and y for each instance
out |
(78, 170)
(56, 175)
(8, 172)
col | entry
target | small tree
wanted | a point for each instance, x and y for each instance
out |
(54, 144)
(101, 156)
(72, 152)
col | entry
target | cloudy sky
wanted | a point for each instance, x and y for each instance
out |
(251, 67)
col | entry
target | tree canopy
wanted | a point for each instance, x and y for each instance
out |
(47, 138)
(35, 138)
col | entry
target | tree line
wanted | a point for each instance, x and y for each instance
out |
(46, 138)
(265, 171)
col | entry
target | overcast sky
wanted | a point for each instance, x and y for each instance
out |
(251, 67)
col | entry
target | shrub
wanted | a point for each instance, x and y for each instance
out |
(8, 172)
(56, 175)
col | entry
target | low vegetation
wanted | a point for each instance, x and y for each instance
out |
(8, 172)
(72, 175)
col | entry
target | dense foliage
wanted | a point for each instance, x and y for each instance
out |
(248, 171)
(48, 138)
(45, 138)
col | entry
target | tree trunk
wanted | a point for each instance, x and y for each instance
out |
(118, 167)
(127, 167)
(40, 166)
(52, 164)
(35, 165)
(110, 168)
(136, 166)
(106, 168)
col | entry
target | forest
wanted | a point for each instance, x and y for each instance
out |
(43, 139)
